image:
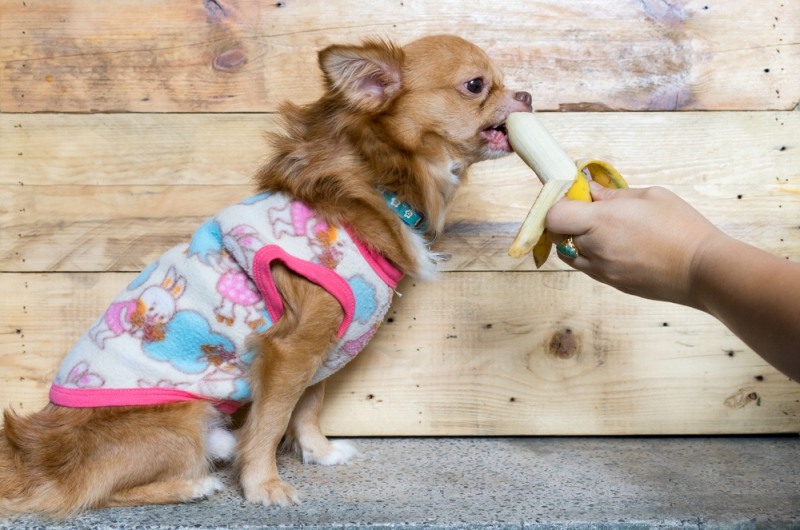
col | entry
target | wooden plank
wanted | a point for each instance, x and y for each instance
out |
(132, 149)
(91, 193)
(476, 354)
(214, 56)
(697, 148)
(125, 228)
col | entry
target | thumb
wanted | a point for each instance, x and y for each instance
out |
(600, 193)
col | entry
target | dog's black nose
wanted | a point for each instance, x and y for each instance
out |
(523, 97)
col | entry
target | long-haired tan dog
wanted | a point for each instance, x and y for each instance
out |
(397, 127)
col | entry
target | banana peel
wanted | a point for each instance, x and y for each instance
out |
(560, 176)
(602, 172)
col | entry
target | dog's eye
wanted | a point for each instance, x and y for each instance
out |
(475, 85)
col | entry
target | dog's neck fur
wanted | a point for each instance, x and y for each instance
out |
(332, 160)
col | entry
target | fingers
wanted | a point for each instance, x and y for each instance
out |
(653, 193)
(600, 193)
(568, 217)
(578, 217)
(580, 263)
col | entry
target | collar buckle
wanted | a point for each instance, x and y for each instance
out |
(407, 214)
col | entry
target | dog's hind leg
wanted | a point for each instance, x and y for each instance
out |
(169, 492)
(290, 353)
(305, 437)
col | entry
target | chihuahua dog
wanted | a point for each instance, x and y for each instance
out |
(271, 295)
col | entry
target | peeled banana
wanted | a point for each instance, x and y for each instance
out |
(560, 176)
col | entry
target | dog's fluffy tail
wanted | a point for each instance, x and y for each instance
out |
(10, 483)
(61, 461)
(11, 486)
(21, 489)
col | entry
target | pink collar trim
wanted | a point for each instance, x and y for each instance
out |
(382, 267)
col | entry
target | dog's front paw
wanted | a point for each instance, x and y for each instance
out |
(272, 492)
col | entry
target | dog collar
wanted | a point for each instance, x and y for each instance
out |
(407, 214)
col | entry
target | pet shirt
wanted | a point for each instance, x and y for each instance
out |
(178, 331)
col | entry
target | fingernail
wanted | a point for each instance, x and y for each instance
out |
(595, 186)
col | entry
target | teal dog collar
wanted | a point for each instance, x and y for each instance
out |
(410, 216)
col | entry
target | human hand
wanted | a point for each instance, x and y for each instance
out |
(641, 241)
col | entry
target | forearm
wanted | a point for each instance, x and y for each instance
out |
(649, 242)
(755, 294)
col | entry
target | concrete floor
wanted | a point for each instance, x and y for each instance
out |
(510, 483)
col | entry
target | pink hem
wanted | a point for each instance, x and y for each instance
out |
(322, 276)
(382, 267)
(123, 397)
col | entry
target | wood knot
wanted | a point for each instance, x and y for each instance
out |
(215, 9)
(564, 344)
(230, 59)
(741, 399)
(563, 354)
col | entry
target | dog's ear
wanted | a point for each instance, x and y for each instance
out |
(367, 76)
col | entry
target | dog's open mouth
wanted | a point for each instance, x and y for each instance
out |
(497, 137)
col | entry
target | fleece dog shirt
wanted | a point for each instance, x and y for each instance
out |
(178, 331)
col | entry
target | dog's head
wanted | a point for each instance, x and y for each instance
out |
(420, 114)
(410, 120)
(439, 91)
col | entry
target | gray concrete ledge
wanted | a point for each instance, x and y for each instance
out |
(510, 483)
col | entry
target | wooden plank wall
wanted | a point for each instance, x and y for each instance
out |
(124, 125)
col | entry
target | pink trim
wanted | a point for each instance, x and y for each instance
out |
(122, 397)
(227, 406)
(322, 276)
(382, 267)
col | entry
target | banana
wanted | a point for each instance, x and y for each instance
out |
(532, 232)
(578, 191)
(602, 172)
(560, 176)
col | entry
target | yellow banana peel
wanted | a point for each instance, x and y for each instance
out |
(602, 172)
(560, 176)
(580, 190)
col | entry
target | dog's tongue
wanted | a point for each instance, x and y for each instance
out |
(497, 140)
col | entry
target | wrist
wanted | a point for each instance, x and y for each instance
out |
(705, 267)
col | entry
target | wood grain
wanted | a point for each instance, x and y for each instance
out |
(231, 56)
(475, 354)
(112, 192)
(168, 103)
(650, 148)
(125, 228)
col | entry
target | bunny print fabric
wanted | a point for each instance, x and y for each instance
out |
(179, 331)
